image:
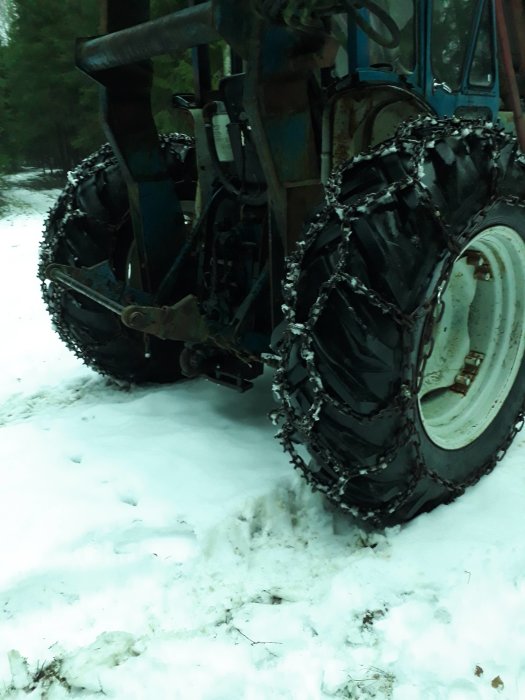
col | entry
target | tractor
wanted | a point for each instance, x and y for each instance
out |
(347, 208)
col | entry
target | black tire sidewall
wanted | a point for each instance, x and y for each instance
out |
(98, 182)
(373, 455)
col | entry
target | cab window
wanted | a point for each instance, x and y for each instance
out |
(402, 58)
(451, 27)
(482, 69)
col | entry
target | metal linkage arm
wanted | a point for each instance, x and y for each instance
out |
(175, 32)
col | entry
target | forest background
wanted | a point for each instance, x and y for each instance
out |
(49, 110)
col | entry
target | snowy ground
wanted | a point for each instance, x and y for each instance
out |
(157, 545)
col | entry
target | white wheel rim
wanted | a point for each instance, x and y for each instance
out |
(479, 339)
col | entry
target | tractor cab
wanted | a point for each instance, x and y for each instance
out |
(445, 52)
(438, 57)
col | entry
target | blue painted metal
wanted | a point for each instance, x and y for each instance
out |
(158, 222)
(359, 57)
(281, 62)
(467, 96)
(275, 49)
(156, 214)
(278, 103)
(288, 137)
(358, 47)
(421, 79)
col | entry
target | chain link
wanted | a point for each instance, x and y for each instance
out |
(415, 140)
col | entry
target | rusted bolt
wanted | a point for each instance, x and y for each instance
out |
(463, 379)
(482, 269)
(459, 388)
(474, 258)
(466, 376)
(136, 319)
(473, 360)
(483, 272)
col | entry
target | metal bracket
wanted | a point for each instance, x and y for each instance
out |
(183, 321)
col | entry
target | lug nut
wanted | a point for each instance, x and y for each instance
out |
(463, 379)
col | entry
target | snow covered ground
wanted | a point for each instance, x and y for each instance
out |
(156, 544)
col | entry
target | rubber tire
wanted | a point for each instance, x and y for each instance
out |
(410, 206)
(90, 223)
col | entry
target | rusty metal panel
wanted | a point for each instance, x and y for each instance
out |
(363, 117)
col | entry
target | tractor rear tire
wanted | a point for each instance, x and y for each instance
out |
(90, 223)
(402, 372)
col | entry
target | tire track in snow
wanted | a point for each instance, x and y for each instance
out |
(22, 406)
(249, 585)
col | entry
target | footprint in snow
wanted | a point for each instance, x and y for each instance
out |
(20, 406)
(177, 543)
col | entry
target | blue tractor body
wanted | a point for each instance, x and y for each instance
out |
(346, 198)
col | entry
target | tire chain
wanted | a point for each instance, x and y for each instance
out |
(290, 422)
(416, 139)
(52, 294)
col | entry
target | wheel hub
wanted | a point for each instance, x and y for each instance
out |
(479, 339)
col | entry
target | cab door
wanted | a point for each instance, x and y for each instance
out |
(461, 69)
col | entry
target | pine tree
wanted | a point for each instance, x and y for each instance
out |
(48, 108)
(44, 88)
